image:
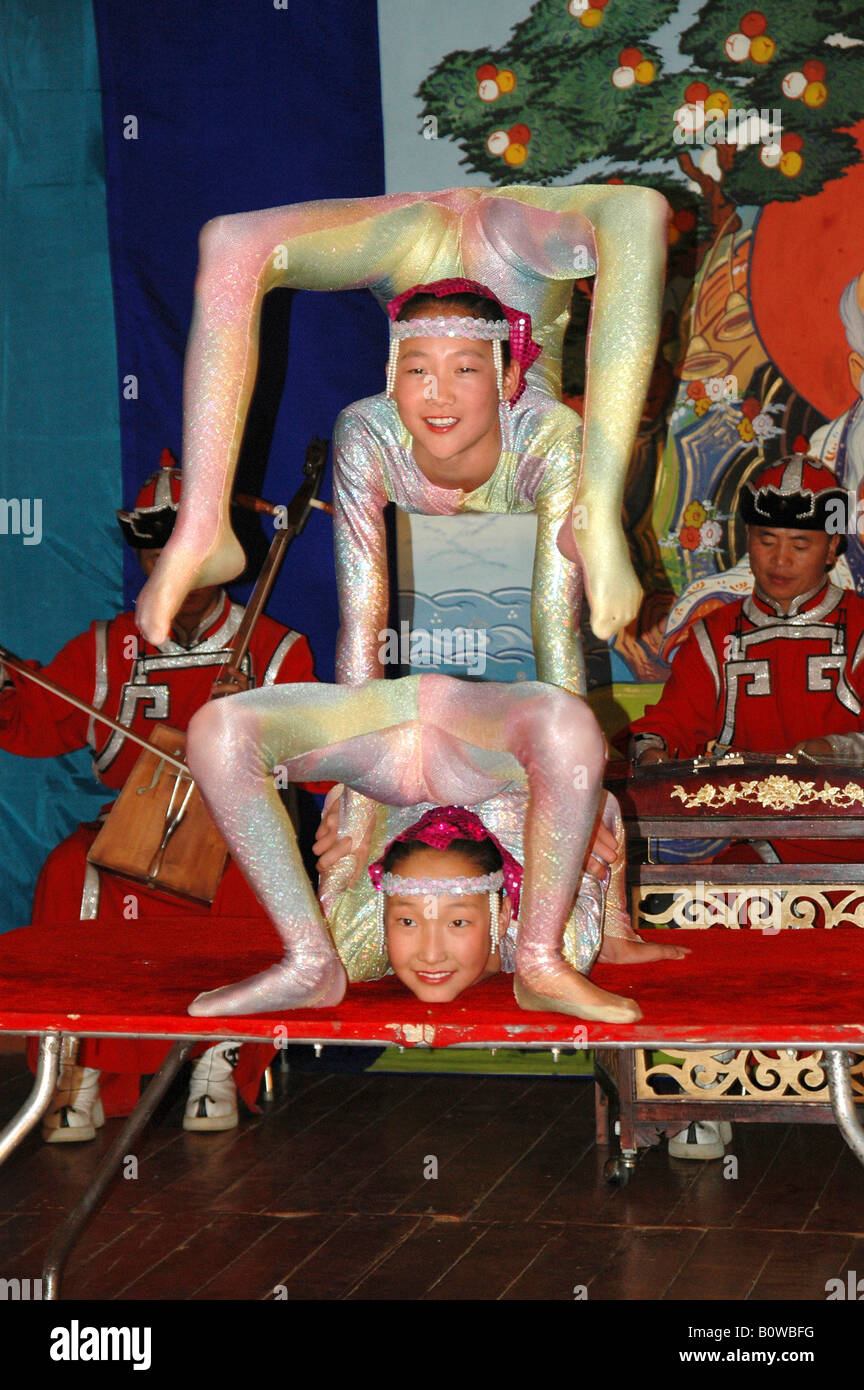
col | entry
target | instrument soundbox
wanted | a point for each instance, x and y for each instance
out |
(159, 831)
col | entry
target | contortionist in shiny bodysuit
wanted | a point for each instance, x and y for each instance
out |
(527, 244)
(470, 743)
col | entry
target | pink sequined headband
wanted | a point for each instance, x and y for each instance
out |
(523, 349)
(438, 829)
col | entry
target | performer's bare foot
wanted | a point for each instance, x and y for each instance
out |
(290, 984)
(178, 571)
(548, 984)
(611, 587)
(627, 950)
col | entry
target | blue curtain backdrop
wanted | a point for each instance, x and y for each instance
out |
(237, 107)
(59, 443)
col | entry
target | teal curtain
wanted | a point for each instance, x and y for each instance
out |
(59, 437)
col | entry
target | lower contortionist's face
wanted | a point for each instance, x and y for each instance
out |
(447, 397)
(440, 946)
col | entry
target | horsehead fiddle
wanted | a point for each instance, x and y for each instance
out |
(158, 830)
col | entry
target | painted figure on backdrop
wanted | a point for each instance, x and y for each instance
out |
(840, 446)
(840, 443)
(141, 685)
(528, 245)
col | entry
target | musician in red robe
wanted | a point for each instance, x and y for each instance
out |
(112, 667)
(779, 671)
(783, 669)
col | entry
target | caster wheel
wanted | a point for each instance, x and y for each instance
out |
(617, 1173)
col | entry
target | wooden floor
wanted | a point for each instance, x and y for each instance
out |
(324, 1197)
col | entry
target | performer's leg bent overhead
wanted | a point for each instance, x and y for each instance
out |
(428, 739)
(527, 244)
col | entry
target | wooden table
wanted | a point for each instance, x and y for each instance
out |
(743, 801)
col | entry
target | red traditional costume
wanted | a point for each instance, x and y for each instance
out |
(756, 678)
(112, 667)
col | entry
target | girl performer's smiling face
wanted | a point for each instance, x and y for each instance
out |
(447, 398)
(439, 946)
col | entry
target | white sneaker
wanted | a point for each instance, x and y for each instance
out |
(212, 1102)
(703, 1139)
(76, 1110)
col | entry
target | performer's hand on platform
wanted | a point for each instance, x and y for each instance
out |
(632, 950)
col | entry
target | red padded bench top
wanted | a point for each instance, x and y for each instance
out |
(136, 978)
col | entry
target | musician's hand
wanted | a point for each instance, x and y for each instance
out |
(814, 748)
(652, 755)
(231, 683)
(602, 851)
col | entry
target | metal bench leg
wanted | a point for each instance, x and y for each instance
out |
(837, 1064)
(67, 1234)
(39, 1099)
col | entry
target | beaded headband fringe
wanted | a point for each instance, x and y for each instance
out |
(450, 327)
(441, 887)
(498, 363)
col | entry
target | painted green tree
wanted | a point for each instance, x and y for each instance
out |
(578, 81)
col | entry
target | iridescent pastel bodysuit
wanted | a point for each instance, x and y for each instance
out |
(537, 472)
(529, 245)
(419, 741)
(429, 739)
